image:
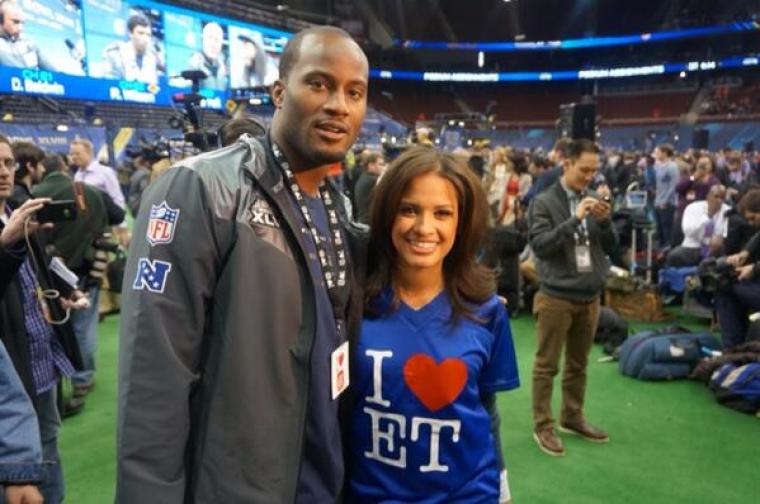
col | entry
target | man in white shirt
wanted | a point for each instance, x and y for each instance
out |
(91, 172)
(704, 225)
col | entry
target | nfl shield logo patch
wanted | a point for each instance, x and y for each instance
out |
(163, 222)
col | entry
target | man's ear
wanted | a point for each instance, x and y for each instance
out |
(278, 92)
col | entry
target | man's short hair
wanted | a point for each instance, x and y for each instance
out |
(3, 138)
(26, 153)
(84, 143)
(136, 20)
(733, 157)
(292, 50)
(53, 163)
(750, 202)
(561, 146)
(578, 147)
(370, 157)
(667, 149)
(233, 129)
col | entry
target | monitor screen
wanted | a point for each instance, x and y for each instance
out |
(636, 199)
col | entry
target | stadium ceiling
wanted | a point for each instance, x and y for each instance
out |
(490, 20)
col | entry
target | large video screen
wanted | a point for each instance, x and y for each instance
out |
(124, 41)
(43, 34)
(130, 51)
(254, 58)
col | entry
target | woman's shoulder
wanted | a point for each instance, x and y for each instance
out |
(490, 312)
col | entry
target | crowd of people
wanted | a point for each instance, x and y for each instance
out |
(255, 276)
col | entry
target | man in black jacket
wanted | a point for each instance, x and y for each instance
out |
(571, 235)
(74, 242)
(40, 350)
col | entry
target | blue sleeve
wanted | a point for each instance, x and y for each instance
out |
(500, 373)
(20, 451)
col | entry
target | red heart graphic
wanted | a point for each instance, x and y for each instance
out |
(435, 385)
(340, 359)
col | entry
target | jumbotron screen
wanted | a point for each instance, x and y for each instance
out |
(130, 51)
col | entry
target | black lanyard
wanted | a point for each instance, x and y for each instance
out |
(335, 275)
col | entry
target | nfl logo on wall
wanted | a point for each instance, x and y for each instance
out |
(163, 221)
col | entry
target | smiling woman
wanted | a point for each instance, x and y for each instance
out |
(428, 222)
(435, 343)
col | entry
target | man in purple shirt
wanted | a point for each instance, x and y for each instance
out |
(91, 172)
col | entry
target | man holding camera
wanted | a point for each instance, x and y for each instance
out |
(34, 329)
(571, 235)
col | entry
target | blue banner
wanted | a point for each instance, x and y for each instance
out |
(48, 138)
(583, 43)
(553, 75)
(42, 82)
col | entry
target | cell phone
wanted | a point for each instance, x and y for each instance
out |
(57, 211)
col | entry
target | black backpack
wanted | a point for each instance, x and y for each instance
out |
(611, 330)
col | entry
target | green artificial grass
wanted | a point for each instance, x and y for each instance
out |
(670, 442)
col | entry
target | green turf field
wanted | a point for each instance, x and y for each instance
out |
(670, 442)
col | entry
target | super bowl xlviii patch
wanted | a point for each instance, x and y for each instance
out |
(262, 215)
(162, 223)
(151, 275)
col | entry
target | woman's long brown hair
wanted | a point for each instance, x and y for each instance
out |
(466, 281)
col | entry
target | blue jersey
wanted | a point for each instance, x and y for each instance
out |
(420, 432)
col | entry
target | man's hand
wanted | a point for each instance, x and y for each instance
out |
(584, 207)
(14, 229)
(738, 259)
(601, 210)
(22, 494)
(745, 272)
(77, 301)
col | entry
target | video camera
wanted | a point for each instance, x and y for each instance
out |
(149, 151)
(716, 275)
(191, 118)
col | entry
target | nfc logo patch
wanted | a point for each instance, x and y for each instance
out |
(151, 275)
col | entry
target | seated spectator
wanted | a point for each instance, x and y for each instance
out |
(735, 304)
(743, 223)
(693, 187)
(704, 225)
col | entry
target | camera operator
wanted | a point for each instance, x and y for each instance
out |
(144, 161)
(735, 303)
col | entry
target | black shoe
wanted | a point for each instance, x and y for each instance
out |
(72, 407)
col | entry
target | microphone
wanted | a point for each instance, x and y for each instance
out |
(76, 53)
